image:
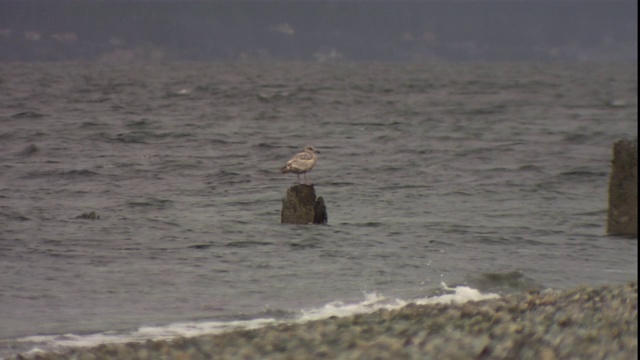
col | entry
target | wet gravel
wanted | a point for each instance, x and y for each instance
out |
(582, 323)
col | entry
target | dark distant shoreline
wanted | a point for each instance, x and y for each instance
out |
(132, 31)
(586, 323)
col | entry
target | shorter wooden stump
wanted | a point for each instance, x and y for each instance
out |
(302, 207)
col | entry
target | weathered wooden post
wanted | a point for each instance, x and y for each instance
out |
(623, 190)
(302, 207)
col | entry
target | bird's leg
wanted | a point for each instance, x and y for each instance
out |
(298, 175)
(305, 179)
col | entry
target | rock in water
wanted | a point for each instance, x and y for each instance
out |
(623, 190)
(301, 206)
(92, 215)
(28, 151)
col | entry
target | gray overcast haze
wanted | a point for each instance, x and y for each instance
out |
(164, 30)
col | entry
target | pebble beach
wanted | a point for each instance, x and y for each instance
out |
(581, 323)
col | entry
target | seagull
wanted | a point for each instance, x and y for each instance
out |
(302, 162)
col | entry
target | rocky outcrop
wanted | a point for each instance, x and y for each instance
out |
(302, 207)
(623, 190)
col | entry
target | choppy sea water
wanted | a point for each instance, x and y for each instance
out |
(493, 177)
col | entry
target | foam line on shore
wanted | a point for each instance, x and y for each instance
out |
(371, 303)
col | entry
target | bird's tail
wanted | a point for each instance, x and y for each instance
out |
(284, 170)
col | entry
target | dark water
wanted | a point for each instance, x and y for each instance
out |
(431, 173)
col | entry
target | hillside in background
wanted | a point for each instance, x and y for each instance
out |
(121, 31)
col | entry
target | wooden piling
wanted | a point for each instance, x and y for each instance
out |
(302, 207)
(623, 190)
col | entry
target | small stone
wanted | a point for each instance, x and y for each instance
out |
(564, 320)
(547, 354)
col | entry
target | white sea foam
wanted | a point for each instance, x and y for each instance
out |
(182, 329)
(375, 301)
(371, 303)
